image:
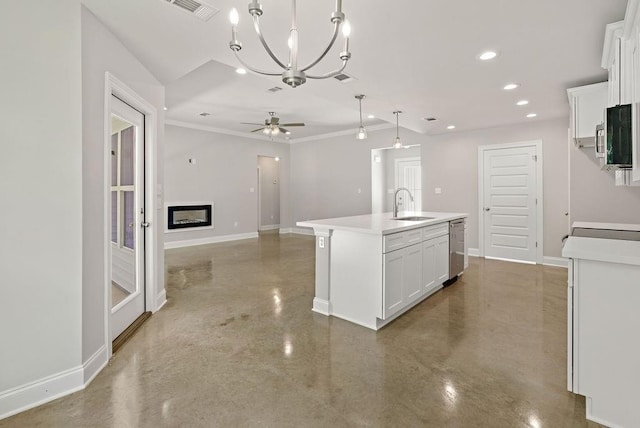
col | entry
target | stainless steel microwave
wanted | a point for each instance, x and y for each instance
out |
(614, 139)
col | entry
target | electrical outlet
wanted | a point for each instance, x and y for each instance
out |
(321, 241)
(235, 224)
(438, 190)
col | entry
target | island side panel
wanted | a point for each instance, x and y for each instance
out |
(356, 277)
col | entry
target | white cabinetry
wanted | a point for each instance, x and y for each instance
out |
(588, 104)
(435, 263)
(412, 271)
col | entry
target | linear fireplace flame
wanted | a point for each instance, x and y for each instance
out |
(189, 216)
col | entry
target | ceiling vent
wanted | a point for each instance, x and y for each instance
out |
(343, 78)
(274, 89)
(200, 9)
(429, 119)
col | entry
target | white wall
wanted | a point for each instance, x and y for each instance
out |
(269, 191)
(450, 161)
(594, 195)
(41, 188)
(224, 172)
(326, 174)
(102, 52)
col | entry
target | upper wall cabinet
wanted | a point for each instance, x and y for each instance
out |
(588, 104)
(621, 58)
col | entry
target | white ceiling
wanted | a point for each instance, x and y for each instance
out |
(415, 56)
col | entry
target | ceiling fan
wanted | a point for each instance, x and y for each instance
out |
(272, 126)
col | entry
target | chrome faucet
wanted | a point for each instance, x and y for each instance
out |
(395, 199)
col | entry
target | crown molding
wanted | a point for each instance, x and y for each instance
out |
(220, 131)
(353, 131)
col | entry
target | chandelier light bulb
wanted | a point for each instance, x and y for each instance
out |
(346, 29)
(234, 18)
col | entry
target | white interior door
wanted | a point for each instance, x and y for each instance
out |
(509, 196)
(126, 211)
(409, 175)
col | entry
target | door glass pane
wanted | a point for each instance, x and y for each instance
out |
(129, 224)
(114, 159)
(114, 217)
(126, 163)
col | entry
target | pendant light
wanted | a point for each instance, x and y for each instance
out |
(362, 133)
(396, 143)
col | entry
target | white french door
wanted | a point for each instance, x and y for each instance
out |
(126, 211)
(509, 211)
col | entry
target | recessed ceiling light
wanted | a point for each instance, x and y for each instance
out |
(510, 86)
(164, 108)
(531, 115)
(522, 103)
(451, 127)
(485, 56)
(241, 71)
(371, 116)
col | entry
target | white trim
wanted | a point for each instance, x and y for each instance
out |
(353, 132)
(261, 137)
(94, 365)
(503, 259)
(270, 227)
(555, 261)
(297, 231)
(321, 306)
(161, 300)
(168, 245)
(258, 136)
(474, 252)
(114, 86)
(33, 394)
(539, 192)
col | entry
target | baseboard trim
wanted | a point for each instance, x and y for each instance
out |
(33, 394)
(210, 240)
(555, 261)
(321, 306)
(269, 227)
(297, 231)
(94, 365)
(474, 252)
(161, 300)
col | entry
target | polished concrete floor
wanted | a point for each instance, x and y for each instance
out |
(238, 345)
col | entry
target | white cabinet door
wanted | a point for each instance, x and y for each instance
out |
(393, 279)
(412, 276)
(442, 259)
(587, 110)
(429, 265)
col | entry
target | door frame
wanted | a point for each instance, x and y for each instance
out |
(114, 86)
(539, 193)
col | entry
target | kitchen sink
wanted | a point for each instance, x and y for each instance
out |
(413, 218)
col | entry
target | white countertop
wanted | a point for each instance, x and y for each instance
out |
(380, 224)
(608, 226)
(604, 250)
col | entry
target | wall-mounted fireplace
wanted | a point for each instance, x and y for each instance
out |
(188, 216)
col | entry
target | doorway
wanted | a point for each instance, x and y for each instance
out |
(409, 175)
(268, 193)
(510, 201)
(127, 216)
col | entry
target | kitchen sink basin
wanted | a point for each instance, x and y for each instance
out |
(413, 218)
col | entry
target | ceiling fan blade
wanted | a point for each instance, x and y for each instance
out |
(251, 123)
(293, 124)
(259, 129)
(282, 130)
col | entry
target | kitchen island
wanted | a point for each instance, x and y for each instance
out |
(372, 268)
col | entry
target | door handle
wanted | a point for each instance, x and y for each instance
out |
(145, 224)
(487, 209)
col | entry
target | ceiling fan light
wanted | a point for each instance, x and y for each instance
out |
(275, 130)
(266, 131)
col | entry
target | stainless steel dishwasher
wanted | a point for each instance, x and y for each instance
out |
(456, 250)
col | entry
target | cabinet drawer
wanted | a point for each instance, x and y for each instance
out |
(394, 241)
(431, 232)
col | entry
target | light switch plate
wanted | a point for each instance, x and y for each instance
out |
(438, 190)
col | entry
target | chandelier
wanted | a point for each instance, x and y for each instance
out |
(292, 74)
